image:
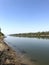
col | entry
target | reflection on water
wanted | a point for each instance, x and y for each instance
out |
(36, 49)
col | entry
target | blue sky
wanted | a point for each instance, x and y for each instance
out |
(20, 16)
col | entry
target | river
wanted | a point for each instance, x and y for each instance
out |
(36, 49)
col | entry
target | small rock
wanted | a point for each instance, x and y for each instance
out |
(7, 61)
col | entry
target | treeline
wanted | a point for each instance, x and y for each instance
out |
(37, 34)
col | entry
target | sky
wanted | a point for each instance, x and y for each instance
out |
(23, 16)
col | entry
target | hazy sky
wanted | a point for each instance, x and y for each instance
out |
(18, 16)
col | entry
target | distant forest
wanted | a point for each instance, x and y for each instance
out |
(37, 34)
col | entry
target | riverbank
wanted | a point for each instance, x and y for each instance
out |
(9, 56)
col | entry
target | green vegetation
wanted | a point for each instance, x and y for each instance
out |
(1, 34)
(37, 34)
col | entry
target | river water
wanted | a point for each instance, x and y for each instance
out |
(36, 49)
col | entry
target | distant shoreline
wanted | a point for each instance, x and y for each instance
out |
(32, 35)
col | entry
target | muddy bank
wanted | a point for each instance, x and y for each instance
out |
(9, 57)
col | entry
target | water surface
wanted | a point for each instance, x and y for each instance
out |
(36, 49)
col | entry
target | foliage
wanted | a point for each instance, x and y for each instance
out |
(1, 34)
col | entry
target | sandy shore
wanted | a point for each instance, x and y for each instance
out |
(9, 57)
